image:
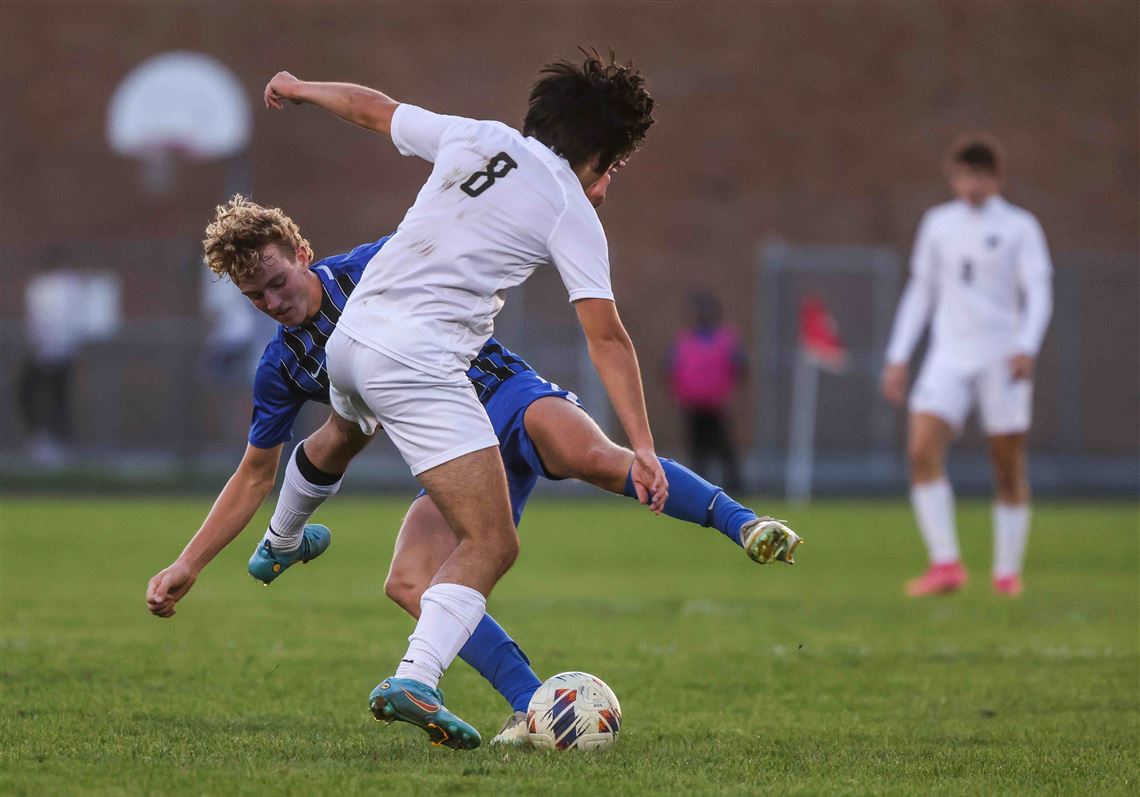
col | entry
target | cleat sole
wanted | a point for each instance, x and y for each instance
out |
(382, 711)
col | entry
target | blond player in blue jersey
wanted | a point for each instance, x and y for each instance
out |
(542, 429)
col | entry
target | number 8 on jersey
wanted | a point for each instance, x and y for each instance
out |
(498, 167)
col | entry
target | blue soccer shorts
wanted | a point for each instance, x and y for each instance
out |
(507, 408)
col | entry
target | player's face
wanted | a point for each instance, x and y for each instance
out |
(972, 185)
(283, 287)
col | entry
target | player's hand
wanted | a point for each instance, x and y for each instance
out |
(1021, 367)
(893, 383)
(283, 86)
(168, 587)
(649, 480)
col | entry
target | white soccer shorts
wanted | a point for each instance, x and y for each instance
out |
(1005, 405)
(431, 420)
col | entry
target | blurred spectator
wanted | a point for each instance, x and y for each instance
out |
(705, 366)
(54, 333)
(64, 309)
(235, 334)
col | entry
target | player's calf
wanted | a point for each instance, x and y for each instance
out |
(303, 490)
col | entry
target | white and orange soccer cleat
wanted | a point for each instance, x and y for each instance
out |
(514, 731)
(938, 580)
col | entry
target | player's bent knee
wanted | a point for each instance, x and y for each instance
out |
(585, 464)
(510, 550)
(506, 550)
(404, 592)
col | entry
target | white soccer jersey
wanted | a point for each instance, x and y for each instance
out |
(987, 274)
(496, 207)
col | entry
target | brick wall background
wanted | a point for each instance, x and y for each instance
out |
(810, 123)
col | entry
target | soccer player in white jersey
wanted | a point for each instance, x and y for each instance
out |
(981, 267)
(497, 205)
(543, 431)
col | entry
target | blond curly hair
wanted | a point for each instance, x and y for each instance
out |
(240, 230)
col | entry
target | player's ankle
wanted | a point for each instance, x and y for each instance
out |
(280, 544)
(419, 671)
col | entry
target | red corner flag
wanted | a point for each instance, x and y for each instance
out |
(818, 336)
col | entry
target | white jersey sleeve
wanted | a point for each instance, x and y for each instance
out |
(579, 251)
(918, 297)
(419, 132)
(1035, 275)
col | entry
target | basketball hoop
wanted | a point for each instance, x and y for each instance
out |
(177, 106)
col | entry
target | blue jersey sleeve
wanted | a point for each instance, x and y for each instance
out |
(275, 406)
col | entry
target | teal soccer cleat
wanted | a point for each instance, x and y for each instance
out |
(410, 701)
(267, 564)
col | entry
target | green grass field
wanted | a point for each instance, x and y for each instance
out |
(734, 679)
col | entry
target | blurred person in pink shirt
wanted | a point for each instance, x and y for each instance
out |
(706, 365)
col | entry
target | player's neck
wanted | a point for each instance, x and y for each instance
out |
(986, 202)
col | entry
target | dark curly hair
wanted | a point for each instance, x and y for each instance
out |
(600, 109)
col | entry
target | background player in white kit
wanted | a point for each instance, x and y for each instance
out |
(496, 206)
(982, 266)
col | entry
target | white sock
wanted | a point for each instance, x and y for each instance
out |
(933, 504)
(298, 500)
(448, 616)
(1011, 533)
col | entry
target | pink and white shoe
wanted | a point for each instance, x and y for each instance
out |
(1008, 585)
(938, 580)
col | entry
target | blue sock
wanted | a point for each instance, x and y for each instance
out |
(498, 659)
(695, 500)
(728, 515)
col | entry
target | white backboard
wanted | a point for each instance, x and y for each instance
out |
(183, 102)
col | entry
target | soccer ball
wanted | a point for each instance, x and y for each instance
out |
(573, 710)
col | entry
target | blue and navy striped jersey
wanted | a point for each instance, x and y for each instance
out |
(493, 365)
(292, 369)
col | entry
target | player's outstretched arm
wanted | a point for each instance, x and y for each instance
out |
(232, 511)
(613, 355)
(359, 105)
